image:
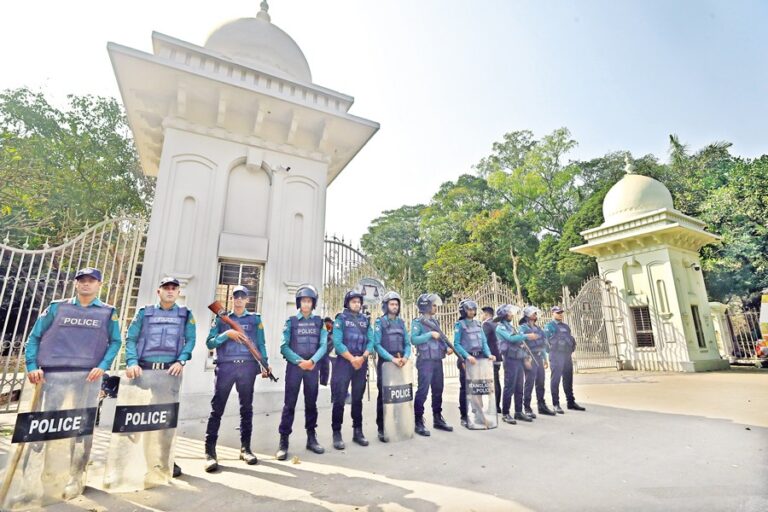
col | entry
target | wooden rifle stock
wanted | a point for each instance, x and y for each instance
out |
(218, 309)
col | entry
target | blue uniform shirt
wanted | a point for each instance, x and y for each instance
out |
(338, 337)
(134, 330)
(503, 333)
(460, 348)
(377, 340)
(294, 358)
(419, 333)
(217, 335)
(45, 320)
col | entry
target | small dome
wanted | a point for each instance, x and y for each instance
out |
(635, 195)
(258, 43)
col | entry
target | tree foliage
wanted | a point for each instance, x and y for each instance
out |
(63, 169)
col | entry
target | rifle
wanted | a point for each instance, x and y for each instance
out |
(434, 327)
(218, 309)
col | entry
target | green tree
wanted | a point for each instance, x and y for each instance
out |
(508, 243)
(63, 169)
(455, 270)
(394, 245)
(532, 177)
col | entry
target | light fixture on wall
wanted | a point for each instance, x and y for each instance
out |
(695, 266)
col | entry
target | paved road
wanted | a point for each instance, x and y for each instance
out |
(647, 442)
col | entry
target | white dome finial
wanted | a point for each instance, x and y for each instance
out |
(264, 12)
(629, 167)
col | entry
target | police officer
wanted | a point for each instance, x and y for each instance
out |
(470, 343)
(392, 342)
(535, 375)
(510, 346)
(431, 349)
(561, 362)
(235, 366)
(353, 342)
(80, 333)
(304, 345)
(489, 328)
(161, 337)
(325, 362)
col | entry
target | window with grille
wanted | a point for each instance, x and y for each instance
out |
(233, 273)
(697, 326)
(641, 320)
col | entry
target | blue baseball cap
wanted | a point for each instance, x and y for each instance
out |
(169, 280)
(240, 289)
(89, 272)
(557, 309)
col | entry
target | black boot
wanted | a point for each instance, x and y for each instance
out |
(338, 442)
(529, 412)
(282, 448)
(312, 444)
(358, 436)
(575, 407)
(508, 419)
(421, 429)
(558, 409)
(383, 437)
(522, 417)
(176, 470)
(439, 423)
(211, 462)
(464, 422)
(543, 409)
(247, 455)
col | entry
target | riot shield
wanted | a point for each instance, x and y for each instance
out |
(51, 442)
(481, 400)
(397, 400)
(140, 452)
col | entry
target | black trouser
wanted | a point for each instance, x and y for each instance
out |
(561, 365)
(497, 383)
(461, 365)
(242, 376)
(535, 377)
(379, 403)
(513, 384)
(430, 375)
(343, 374)
(295, 377)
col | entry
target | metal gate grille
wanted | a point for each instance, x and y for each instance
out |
(30, 278)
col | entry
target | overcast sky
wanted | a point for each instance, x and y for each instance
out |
(447, 78)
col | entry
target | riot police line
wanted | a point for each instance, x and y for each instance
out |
(74, 342)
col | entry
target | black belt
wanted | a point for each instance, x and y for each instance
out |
(238, 361)
(146, 365)
(479, 353)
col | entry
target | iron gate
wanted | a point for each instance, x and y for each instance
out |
(590, 314)
(30, 278)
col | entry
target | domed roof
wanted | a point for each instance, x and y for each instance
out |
(633, 196)
(256, 42)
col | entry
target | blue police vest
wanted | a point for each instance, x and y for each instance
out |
(432, 349)
(562, 340)
(539, 345)
(162, 332)
(77, 338)
(231, 350)
(393, 335)
(305, 335)
(511, 350)
(355, 332)
(471, 336)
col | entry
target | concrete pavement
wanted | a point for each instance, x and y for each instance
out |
(648, 441)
